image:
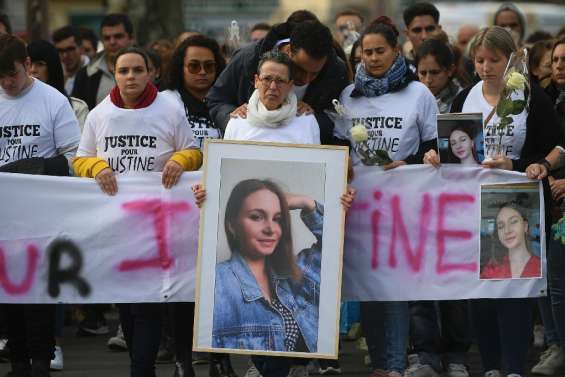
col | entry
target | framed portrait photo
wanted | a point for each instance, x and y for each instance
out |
(512, 227)
(270, 249)
(460, 138)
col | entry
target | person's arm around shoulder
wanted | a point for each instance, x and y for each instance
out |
(223, 96)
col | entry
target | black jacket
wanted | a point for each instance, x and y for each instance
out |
(236, 84)
(86, 87)
(542, 127)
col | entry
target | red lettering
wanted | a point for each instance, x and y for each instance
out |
(14, 289)
(399, 230)
(442, 234)
(160, 211)
(375, 219)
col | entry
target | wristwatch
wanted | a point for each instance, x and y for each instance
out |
(546, 163)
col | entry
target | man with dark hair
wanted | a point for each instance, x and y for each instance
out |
(259, 31)
(68, 43)
(5, 26)
(421, 20)
(94, 82)
(89, 42)
(347, 21)
(320, 77)
(40, 135)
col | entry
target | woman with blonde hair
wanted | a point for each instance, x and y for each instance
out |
(503, 326)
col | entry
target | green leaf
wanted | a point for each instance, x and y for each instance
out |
(504, 108)
(518, 106)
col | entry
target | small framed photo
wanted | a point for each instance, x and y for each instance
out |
(511, 231)
(270, 253)
(460, 138)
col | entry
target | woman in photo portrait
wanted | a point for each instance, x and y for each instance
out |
(269, 296)
(462, 149)
(271, 116)
(512, 258)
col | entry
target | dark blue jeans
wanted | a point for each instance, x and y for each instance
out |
(556, 269)
(141, 324)
(430, 342)
(503, 328)
(385, 325)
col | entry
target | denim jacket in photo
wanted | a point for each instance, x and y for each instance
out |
(244, 319)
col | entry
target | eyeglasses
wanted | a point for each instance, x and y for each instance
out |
(67, 50)
(267, 80)
(196, 66)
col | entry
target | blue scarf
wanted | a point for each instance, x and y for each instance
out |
(393, 79)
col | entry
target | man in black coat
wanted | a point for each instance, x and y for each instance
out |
(320, 74)
(94, 81)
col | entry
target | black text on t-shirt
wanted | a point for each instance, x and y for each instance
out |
(15, 147)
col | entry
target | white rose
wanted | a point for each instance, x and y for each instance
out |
(516, 81)
(359, 133)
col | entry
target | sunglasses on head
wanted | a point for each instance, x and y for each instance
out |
(196, 66)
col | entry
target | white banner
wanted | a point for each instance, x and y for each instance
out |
(414, 234)
(63, 240)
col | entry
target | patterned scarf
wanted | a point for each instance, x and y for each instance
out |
(370, 86)
(145, 99)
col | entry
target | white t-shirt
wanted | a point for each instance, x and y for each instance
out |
(202, 127)
(396, 122)
(514, 135)
(136, 140)
(38, 123)
(302, 129)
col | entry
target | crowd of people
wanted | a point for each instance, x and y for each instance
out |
(281, 87)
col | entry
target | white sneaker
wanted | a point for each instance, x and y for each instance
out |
(493, 373)
(417, 369)
(57, 362)
(513, 375)
(118, 342)
(456, 370)
(550, 361)
(298, 371)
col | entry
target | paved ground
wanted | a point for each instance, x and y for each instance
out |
(89, 357)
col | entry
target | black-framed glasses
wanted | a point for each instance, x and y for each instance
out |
(196, 66)
(267, 80)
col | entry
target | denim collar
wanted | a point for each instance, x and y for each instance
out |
(248, 283)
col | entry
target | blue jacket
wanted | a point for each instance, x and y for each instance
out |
(244, 319)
